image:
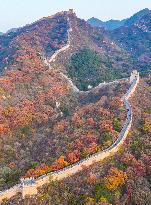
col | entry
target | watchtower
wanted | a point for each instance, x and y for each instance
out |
(71, 11)
(28, 187)
(134, 75)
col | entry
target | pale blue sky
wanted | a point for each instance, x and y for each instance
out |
(15, 13)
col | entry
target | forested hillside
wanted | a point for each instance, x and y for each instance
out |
(42, 119)
(122, 179)
(134, 37)
(46, 123)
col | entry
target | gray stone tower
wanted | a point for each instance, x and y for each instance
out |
(28, 187)
(134, 75)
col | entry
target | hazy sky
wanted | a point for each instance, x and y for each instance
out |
(15, 13)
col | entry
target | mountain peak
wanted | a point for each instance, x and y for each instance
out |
(95, 22)
(146, 9)
(136, 17)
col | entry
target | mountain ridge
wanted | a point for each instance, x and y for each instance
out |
(114, 24)
(108, 25)
(48, 34)
(135, 37)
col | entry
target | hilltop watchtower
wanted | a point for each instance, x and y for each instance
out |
(134, 75)
(71, 11)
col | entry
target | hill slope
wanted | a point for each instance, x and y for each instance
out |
(136, 38)
(43, 121)
(42, 38)
(114, 61)
(136, 17)
(41, 116)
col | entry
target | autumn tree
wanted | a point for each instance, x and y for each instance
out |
(59, 163)
(73, 156)
(115, 178)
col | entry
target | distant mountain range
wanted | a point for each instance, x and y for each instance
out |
(113, 24)
(10, 30)
(135, 36)
(108, 25)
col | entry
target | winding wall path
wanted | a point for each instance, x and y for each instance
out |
(29, 186)
(52, 59)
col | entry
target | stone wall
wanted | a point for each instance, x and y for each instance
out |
(74, 87)
(7, 194)
(29, 186)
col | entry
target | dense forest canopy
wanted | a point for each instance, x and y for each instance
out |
(86, 69)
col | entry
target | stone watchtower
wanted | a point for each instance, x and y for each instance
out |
(28, 187)
(71, 11)
(134, 75)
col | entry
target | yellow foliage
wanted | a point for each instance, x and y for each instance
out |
(103, 199)
(147, 125)
(114, 179)
(2, 91)
(90, 201)
(9, 111)
(107, 143)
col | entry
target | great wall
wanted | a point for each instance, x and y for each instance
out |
(29, 186)
(48, 62)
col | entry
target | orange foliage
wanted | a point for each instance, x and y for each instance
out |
(92, 148)
(60, 126)
(77, 120)
(147, 123)
(106, 125)
(59, 89)
(17, 76)
(12, 165)
(6, 84)
(59, 163)
(116, 103)
(4, 129)
(73, 156)
(128, 159)
(78, 144)
(91, 179)
(14, 117)
(104, 112)
(38, 171)
(24, 114)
